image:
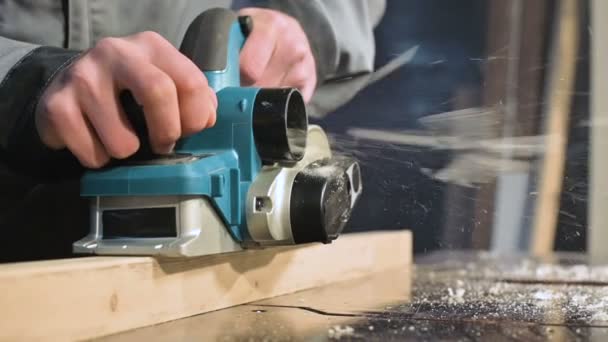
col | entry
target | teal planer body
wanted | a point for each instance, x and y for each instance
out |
(260, 177)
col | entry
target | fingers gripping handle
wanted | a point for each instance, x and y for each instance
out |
(213, 42)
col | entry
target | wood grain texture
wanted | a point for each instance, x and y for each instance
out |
(84, 298)
(293, 317)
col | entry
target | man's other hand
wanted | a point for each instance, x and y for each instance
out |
(277, 53)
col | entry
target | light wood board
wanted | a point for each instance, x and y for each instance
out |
(559, 94)
(597, 233)
(293, 317)
(76, 299)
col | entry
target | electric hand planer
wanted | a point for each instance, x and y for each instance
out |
(262, 176)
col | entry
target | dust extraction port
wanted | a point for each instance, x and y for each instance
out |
(280, 125)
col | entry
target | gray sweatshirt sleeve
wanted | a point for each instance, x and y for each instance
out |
(341, 36)
(25, 71)
(12, 53)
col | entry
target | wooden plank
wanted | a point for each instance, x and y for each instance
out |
(495, 74)
(597, 233)
(282, 319)
(84, 298)
(559, 93)
(512, 77)
(515, 47)
(531, 72)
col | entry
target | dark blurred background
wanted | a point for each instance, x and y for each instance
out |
(464, 60)
(450, 36)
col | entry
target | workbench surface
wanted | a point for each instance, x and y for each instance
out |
(454, 296)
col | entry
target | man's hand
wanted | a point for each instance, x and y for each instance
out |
(81, 110)
(277, 53)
